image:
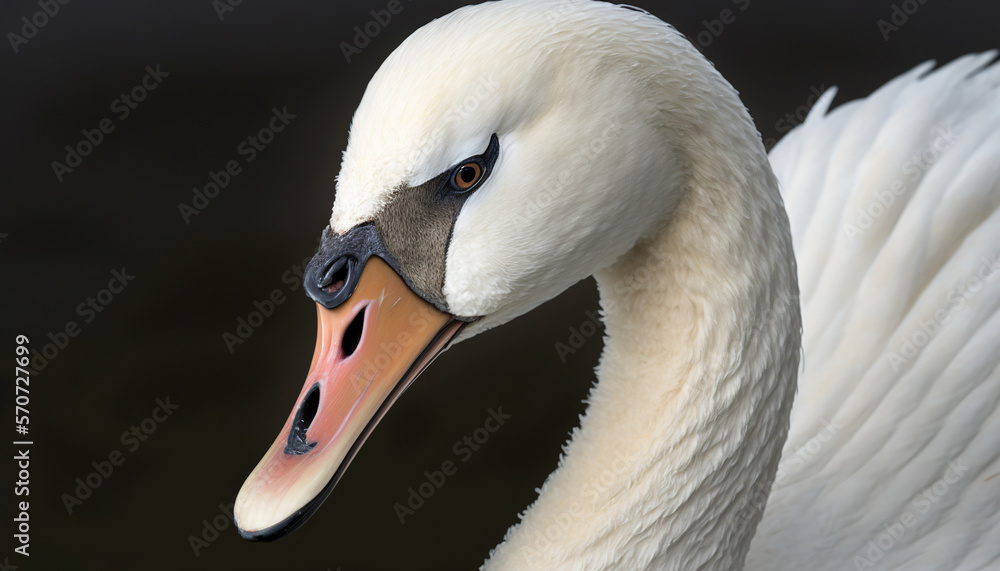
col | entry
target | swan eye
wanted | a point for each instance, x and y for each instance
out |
(471, 172)
(467, 175)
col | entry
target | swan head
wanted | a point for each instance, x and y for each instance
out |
(539, 98)
(499, 155)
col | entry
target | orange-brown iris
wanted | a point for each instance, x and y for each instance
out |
(468, 175)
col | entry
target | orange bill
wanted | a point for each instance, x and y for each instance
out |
(368, 351)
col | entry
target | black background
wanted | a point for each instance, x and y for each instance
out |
(162, 336)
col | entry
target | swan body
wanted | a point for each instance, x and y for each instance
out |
(893, 204)
(624, 154)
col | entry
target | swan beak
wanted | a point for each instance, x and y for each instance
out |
(368, 351)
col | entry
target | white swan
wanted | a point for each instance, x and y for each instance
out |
(510, 149)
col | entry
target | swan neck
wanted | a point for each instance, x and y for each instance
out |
(673, 460)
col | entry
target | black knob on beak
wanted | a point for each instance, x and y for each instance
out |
(333, 273)
(331, 284)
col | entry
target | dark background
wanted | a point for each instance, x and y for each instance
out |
(162, 336)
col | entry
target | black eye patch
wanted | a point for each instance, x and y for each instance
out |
(411, 233)
(416, 226)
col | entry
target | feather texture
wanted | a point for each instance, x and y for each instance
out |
(892, 206)
(895, 432)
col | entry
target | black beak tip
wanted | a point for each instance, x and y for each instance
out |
(275, 532)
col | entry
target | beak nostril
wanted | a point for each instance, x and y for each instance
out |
(336, 274)
(298, 441)
(352, 335)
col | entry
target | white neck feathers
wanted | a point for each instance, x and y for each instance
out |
(675, 456)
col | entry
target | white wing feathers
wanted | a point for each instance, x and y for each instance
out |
(895, 433)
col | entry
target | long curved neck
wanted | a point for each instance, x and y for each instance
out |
(673, 460)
